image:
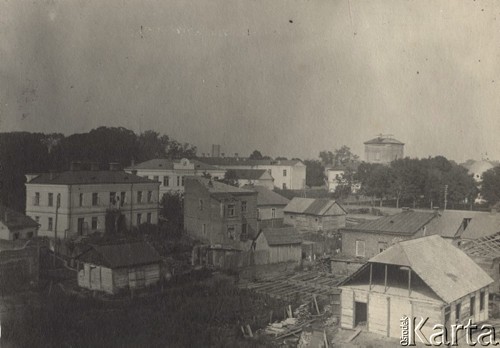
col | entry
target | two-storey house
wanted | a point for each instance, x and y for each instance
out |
(78, 202)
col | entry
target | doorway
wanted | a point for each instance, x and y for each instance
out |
(360, 313)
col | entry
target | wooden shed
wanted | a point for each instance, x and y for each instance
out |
(114, 267)
(283, 244)
(425, 277)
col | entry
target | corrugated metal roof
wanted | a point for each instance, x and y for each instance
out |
(313, 206)
(121, 255)
(282, 236)
(447, 270)
(267, 197)
(406, 222)
(83, 177)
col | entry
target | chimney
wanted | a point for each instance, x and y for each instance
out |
(114, 166)
(74, 166)
(94, 166)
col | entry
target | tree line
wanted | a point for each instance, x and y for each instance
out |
(25, 152)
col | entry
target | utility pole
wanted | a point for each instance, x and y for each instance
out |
(58, 204)
(445, 197)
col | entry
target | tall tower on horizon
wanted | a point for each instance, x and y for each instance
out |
(383, 149)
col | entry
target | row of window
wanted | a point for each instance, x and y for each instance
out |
(94, 222)
(166, 180)
(114, 198)
(472, 307)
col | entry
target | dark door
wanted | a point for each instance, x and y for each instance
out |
(81, 221)
(360, 315)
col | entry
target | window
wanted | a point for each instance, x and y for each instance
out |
(200, 204)
(482, 300)
(284, 172)
(148, 218)
(139, 219)
(270, 172)
(244, 229)
(49, 227)
(36, 201)
(150, 196)
(122, 198)
(112, 197)
(382, 246)
(37, 219)
(284, 186)
(273, 213)
(203, 229)
(258, 213)
(15, 236)
(94, 223)
(139, 196)
(243, 206)
(80, 200)
(377, 156)
(51, 199)
(458, 309)
(472, 308)
(29, 235)
(182, 181)
(360, 248)
(156, 178)
(178, 180)
(230, 232)
(230, 210)
(166, 180)
(95, 199)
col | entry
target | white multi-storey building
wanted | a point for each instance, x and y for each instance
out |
(76, 202)
(171, 173)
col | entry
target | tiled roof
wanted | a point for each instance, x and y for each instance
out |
(447, 270)
(249, 174)
(383, 140)
(82, 177)
(162, 163)
(121, 255)
(15, 220)
(406, 223)
(267, 197)
(282, 236)
(313, 206)
(247, 162)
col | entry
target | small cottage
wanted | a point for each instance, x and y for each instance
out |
(15, 225)
(425, 277)
(115, 267)
(283, 244)
(311, 215)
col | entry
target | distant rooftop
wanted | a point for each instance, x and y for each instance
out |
(249, 174)
(86, 177)
(383, 140)
(163, 163)
(246, 162)
(216, 187)
(266, 196)
(311, 206)
(282, 236)
(15, 220)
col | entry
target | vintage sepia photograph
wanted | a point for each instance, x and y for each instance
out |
(249, 173)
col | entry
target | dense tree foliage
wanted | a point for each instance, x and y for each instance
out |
(23, 152)
(340, 157)
(490, 188)
(315, 173)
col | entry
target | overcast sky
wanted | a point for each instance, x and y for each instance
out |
(287, 77)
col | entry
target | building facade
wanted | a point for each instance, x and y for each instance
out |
(383, 150)
(282, 244)
(270, 206)
(219, 214)
(171, 173)
(287, 174)
(78, 202)
(14, 225)
(258, 177)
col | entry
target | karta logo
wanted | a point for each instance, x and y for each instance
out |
(411, 330)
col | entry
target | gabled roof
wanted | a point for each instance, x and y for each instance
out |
(168, 164)
(405, 223)
(120, 255)
(15, 220)
(448, 223)
(235, 161)
(482, 225)
(83, 177)
(383, 140)
(447, 270)
(282, 236)
(267, 197)
(251, 174)
(311, 206)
